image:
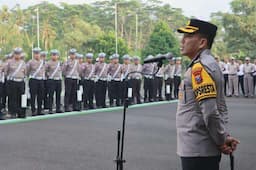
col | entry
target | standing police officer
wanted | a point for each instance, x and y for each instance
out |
(15, 70)
(159, 77)
(148, 71)
(201, 117)
(36, 72)
(169, 79)
(87, 71)
(136, 79)
(71, 71)
(54, 76)
(177, 76)
(248, 78)
(43, 55)
(233, 68)
(115, 75)
(126, 78)
(101, 74)
(2, 80)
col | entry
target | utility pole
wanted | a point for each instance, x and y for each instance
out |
(38, 29)
(116, 34)
(136, 33)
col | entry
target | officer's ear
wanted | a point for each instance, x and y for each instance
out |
(203, 42)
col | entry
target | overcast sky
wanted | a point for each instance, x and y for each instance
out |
(198, 8)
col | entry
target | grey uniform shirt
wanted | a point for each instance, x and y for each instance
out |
(115, 71)
(160, 72)
(36, 69)
(71, 69)
(88, 70)
(53, 70)
(11, 68)
(148, 70)
(177, 70)
(169, 71)
(101, 71)
(201, 125)
(136, 68)
(248, 68)
(233, 68)
(126, 69)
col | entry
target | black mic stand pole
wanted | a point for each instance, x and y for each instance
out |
(120, 133)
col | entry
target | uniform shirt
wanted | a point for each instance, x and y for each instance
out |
(115, 71)
(241, 70)
(201, 116)
(126, 69)
(11, 68)
(248, 68)
(137, 68)
(2, 71)
(88, 70)
(225, 68)
(148, 69)
(71, 69)
(169, 71)
(36, 69)
(177, 70)
(101, 70)
(53, 70)
(233, 68)
(222, 66)
(160, 72)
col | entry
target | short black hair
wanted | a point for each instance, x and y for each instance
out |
(210, 39)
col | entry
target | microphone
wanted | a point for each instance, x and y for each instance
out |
(158, 58)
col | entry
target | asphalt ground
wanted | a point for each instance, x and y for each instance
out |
(87, 140)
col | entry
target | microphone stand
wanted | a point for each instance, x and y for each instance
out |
(121, 133)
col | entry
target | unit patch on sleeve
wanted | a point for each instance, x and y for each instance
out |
(203, 85)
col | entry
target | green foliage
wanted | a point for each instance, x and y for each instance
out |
(82, 26)
(239, 29)
(161, 41)
(106, 43)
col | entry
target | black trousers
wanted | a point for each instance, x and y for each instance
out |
(115, 92)
(225, 84)
(200, 163)
(136, 86)
(46, 95)
(169, 82)
(241, 83)
(100, 93)
(15, 91)
(36, 88)
(88, 90)
(54, 86)
(149, 90)
(177, 81)
(158, 87)
(71, 86)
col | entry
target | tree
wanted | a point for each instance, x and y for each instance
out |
(240, 28)
(106, 43)
(161, 41)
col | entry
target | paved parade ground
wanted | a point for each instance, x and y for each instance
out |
(88, 141)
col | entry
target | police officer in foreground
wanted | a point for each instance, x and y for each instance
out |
(71, 72)
(15, 70)
(53, 71)
(36, 73)
(202, 115)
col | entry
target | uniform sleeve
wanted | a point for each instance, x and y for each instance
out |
(206, 88)
(64, 68)
(28, 68)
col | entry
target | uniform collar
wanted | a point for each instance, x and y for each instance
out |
(199, 54)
